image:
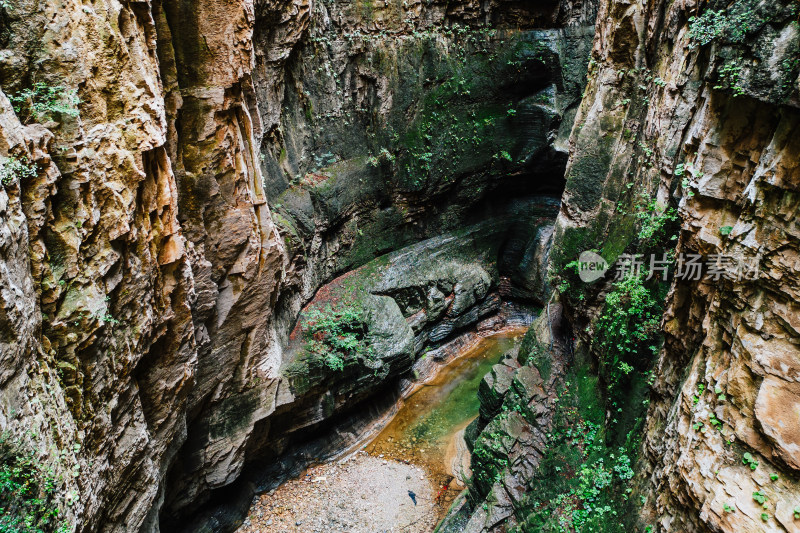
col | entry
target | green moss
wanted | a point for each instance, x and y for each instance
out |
(620, 236)
(377, 236)
(364, 9)
(233, 414)
(531, 351)
(291, 237)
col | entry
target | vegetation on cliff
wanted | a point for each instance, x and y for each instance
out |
(29, 496)
(334, 335)
(584, 480)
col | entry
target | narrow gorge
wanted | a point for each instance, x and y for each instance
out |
(242, 241)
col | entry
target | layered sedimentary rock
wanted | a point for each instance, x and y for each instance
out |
(146, 303)
(148, 317)
(702, 113)
(510, 437)
(227, 159)
(390, 123)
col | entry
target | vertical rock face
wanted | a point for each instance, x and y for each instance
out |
(702, 113)
(236, 255)
(107, 260)
(146, 292)
(153, 264)
(390, 123)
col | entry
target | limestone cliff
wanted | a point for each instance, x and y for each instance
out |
(179, 179)
(696, 105)
(147, 293)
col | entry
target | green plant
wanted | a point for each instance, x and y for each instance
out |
(796, 513)
(748, 460)
(43, 100)
(760, 497)
(107, 318)
(655, 219)
(728, 78)
(733, 24)
(628, 327)
(707, 27)
(28, 496)
(694, 175)
(720, 395)
(623, 467)
(13, 169)
(335, 335)
(700, 390)
(582, 483)
(725, 230)
(773, 477)
(728, 508)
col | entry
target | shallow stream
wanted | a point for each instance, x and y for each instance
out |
(427, 430)
(420, 451)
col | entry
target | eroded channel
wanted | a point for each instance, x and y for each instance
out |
(405, 477)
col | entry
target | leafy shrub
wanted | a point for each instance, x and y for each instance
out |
(27, 495)
(13, 169)
(733, 24)
(628, 327)
(335, 335)
(728, 79)
(655, 220)
(581, 484)
(43, 100)
(707, 27)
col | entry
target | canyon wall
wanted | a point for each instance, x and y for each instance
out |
(684, 148)
(181, 177)
(695, 105)
(164, 226)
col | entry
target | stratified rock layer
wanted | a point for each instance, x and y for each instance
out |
(720, 100)
(147, 293)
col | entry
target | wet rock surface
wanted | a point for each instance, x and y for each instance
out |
(516, 410)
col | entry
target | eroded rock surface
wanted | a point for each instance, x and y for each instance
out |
(149, 314)
(229, 158)
(708, 122)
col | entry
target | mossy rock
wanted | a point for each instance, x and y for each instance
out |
(532, 352)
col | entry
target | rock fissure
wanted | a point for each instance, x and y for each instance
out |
(235, 233)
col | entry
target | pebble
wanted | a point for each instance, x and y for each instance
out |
(365, 494)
